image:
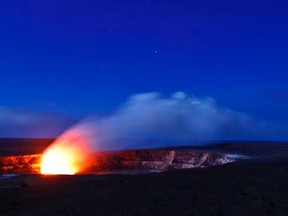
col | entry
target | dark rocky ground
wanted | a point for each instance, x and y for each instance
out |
(256, 187)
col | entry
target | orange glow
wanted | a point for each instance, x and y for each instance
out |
(68, 155)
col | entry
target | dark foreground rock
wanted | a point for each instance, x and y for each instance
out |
(232, 189)
(250, 187)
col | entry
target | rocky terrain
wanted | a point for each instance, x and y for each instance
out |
(156, 160)
(229, 190)
(257, 186)
(21, 164)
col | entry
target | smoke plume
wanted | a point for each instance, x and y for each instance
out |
(151, 120)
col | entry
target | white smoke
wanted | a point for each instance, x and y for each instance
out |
(179, 119)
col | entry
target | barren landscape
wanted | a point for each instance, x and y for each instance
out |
(254, 186)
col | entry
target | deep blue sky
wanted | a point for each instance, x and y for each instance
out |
(81, 57)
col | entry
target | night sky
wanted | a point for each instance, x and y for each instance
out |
(65, 60)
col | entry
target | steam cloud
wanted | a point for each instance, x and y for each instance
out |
(147, 119)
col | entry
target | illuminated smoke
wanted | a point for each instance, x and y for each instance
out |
(70, 153)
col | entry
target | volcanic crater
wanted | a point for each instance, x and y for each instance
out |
(128, 160)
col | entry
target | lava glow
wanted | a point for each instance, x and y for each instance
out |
(68, 155)
(58, 161)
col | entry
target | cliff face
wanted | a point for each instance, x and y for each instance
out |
(155, 160)
(23, 164)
